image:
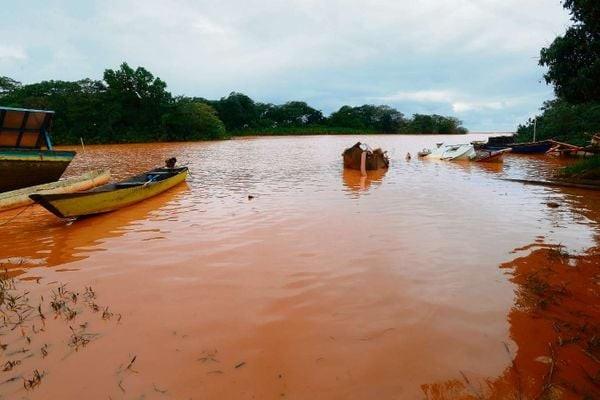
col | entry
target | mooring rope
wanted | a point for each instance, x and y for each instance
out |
(16, 215)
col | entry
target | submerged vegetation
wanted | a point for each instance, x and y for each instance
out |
(24, 321)
(132, 105)
(573, 62)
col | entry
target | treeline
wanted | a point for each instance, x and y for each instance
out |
(573, 62)
(131, 105)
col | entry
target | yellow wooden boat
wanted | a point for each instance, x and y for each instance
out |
(112, 196)
(20, 197)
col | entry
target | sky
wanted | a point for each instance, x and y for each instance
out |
(476, 60)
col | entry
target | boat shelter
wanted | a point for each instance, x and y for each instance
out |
(24, 128)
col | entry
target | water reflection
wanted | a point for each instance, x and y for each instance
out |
(555, 329)
(554, 323)
(66, 241)
(321, 295)
(356, 183)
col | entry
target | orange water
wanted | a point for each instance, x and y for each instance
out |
(325, 285)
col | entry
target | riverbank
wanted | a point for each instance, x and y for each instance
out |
(587, 169)
(288, 131)
(326, 130)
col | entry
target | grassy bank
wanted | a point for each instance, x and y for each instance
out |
(584, 169)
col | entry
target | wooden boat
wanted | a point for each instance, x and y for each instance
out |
(376, 159)
(23, 162)
(112, 196)
(497, 142)
(562, 149)
(20, 197)
(490, 155)
(531, 147)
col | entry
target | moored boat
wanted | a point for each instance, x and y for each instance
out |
(112, 196)
(531, 147)
(20, 197)
(498, 142)
(23, 161)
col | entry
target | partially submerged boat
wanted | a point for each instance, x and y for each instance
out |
(490, 155)
(452, 152)
(24, 162)
(459, 152)
(20, 197)
(375, 159)
(424, 153)
(112, 196)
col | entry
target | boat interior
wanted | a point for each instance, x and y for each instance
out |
(156, 175)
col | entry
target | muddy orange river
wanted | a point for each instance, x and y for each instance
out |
(433, 280)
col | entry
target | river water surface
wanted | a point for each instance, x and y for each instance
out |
(322, 285)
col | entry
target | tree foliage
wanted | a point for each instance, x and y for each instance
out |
(573, 62)
(192, 120)
(573, 59)
(132, 105)
(564, 121)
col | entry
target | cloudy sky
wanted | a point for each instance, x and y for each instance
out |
(474, 59)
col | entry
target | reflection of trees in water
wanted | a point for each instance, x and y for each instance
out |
(41, 240)
(555, 324)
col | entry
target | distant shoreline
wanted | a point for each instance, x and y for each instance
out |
(258, 134)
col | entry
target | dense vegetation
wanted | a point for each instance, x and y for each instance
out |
(131, 105)
(585, 169)
(573, 62)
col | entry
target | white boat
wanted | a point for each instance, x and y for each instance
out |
(459, 152)
(453, 152)
(437, 153)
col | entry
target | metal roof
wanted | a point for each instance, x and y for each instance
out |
(25, 128)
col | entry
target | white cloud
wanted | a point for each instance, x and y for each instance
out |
(11, 53)
(422, 96)
(326, 52)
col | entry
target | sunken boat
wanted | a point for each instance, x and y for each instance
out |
(27, 157)
(375, 159)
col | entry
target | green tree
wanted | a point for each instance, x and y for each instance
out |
(192, 120)
(7, 85)
(573, 60)
(237, 111)
(380, 118)
(293, 113)
(563, 121)
(137, 100)
(78, 107)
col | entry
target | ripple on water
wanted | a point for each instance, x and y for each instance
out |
(340, 282)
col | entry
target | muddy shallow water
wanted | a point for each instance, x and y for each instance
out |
(420, 282)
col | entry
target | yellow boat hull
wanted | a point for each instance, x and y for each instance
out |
(102, 201)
